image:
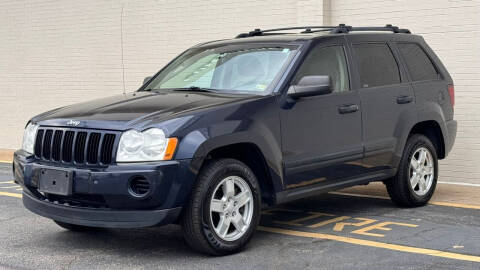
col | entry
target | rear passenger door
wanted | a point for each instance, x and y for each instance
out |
(388, 103)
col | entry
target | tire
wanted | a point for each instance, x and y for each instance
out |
(200, 223)
(400, 188)
(74, 227)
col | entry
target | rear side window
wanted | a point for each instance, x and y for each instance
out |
(376, 64)
(326, 61)
(419, 65)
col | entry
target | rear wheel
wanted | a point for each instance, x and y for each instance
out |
(74, 227)
(416, 178)
(224, 209)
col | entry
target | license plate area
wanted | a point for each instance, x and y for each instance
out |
(55, 181)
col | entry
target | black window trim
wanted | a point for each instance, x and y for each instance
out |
(399, 67)
(440, 76)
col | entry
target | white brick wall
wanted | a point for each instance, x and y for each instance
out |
(55, 53)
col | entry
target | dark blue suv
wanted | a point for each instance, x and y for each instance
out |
(228, 126)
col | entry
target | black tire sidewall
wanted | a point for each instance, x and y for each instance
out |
(231, 168)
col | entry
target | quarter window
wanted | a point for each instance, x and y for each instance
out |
(376, 64)
(328, 61)
(419, 65)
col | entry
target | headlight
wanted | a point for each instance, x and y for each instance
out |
(29, 138)
(149, 145)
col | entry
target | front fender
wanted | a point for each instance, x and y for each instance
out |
(254, 123)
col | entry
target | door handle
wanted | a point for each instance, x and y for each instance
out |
(350, 108)
(404, 99)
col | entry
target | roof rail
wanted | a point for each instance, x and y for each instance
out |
(341, 28)
(306, 29)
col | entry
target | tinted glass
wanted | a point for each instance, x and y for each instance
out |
(419, 65)
(377, 66)
(326, 61)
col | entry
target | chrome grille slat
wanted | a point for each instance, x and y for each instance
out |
(75, 146)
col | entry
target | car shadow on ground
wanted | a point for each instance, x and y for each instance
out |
(165, 240)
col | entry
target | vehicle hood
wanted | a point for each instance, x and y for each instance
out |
(134, 109)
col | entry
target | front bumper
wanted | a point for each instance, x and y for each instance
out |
(100, 196)
(101, 218)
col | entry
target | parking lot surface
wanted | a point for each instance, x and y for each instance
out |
(340, 230)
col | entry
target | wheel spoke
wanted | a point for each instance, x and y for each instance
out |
(216, 206)
(223, 226)
(414, 163)
(422, 184)
(428, 169)
(414, 181)
(229, 188)
(242, 198)
(422, 156)
(238, 222)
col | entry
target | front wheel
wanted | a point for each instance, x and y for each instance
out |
(416, 178)
(224, 209)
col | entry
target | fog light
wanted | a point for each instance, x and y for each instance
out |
(139, 187)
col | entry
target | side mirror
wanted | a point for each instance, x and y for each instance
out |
(311, 86)
(147, 79)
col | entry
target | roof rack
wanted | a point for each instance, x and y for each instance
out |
(341, 28)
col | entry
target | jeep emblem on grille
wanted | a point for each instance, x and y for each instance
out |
(73, 123)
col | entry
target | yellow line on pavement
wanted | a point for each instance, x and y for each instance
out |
(458, 205)
(6, 161)
(7, 182)
(10, 194)
(448, 204)
(369, 243)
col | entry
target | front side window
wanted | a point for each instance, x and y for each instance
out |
(376, 65)
(419, 65)
(232, 68)
(328, 61)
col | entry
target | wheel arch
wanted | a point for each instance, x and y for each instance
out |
(432, 130)
(253, 156)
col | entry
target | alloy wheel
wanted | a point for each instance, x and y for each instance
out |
(421, 171)
(231, 208)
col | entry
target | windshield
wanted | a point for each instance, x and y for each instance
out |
(252, 68)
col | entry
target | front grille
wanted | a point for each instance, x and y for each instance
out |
(78, 146)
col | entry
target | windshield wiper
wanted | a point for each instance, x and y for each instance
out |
(194, 89)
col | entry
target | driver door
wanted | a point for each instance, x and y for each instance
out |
(322, 135)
